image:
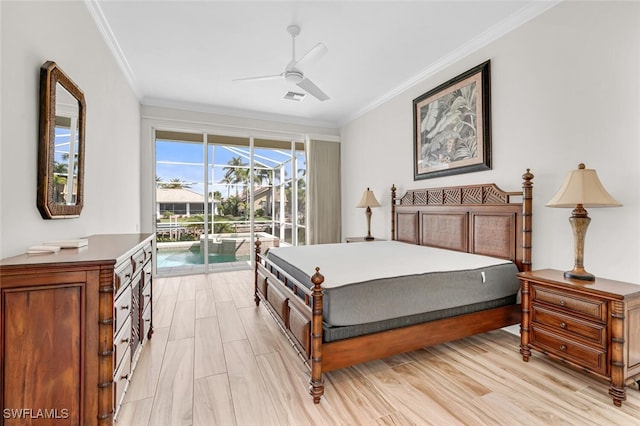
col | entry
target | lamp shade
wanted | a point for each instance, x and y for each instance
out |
(368, 200)
(582, 186)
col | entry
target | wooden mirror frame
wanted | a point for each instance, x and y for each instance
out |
(50, 76)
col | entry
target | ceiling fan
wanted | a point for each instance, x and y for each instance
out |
(293, 72)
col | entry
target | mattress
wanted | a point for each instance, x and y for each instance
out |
(372, 282)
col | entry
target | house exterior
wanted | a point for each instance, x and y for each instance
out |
(180, 201)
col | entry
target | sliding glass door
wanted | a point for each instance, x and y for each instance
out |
(214, 198)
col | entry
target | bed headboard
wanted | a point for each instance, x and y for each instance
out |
(479, 219)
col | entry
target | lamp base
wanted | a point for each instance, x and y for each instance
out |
(579, 274)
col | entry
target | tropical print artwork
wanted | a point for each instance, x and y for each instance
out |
(451, 126)
(448, 128)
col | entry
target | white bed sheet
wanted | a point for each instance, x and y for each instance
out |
(351, 263)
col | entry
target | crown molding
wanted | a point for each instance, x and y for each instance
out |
(103, 26)
(238, 113)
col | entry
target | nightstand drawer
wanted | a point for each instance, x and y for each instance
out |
(593, 332)
(584, 306)
(593, 359)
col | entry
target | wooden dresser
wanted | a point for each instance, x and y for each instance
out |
(72, 325)
(592, 325)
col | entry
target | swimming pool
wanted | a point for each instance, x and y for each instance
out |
(170, 258)
(223, 248)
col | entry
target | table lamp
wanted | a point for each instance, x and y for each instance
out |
(581, 188)
(367, 201)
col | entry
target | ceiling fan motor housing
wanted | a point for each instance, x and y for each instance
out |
(293, 76)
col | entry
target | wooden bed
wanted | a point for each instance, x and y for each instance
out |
(480, 219)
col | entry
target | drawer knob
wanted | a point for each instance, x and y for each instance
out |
(562, 303)
(124, 377)
(125, 340)
(563, 325)
(563, 347)
(124, 307)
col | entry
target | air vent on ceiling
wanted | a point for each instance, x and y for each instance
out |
(294, 96)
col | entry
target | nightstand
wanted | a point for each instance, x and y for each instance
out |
(360, 239)
(591, 325)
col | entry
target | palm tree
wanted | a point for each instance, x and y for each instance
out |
(263, 175)
(174, 183)
(60, 173)
(227, 180)
(236, 173)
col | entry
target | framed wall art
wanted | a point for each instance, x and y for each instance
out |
(452, 126)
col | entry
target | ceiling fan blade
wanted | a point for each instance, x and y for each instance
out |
(316, 52)
(308, 86)
(262, 77)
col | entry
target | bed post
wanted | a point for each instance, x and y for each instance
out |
(527, 210)
(316, 382)
(255, 277)
(393, 212)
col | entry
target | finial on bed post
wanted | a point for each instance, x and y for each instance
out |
(527, 212)
(393, 212)
(316, 382)
(255, 277)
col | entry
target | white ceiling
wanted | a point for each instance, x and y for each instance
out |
(186, 53)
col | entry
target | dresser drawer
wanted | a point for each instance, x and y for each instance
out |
(121, 309)
(122, 276)
(588, 307)
(594, 359)
(121, 343)
(593, 332)
(121, 379)
(146, 295)
(138, 259)
(146, 323)
(148, 251)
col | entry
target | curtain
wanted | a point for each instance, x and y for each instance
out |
(323, 198)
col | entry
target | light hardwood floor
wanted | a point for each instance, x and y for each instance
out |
(216, 359)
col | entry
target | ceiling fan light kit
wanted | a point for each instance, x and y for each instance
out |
(293, 72)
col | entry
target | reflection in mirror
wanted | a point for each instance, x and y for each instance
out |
(61, 149)
(65, 153)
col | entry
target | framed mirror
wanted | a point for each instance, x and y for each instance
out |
(61, 145)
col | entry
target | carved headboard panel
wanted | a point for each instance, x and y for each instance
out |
(479, 219)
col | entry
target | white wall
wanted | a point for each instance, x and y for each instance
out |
(565, 90)
(32, 33)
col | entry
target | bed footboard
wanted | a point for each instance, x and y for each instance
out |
(299, 317)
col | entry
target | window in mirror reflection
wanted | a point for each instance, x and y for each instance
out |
(65, 159)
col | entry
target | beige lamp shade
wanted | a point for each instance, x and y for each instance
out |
(368, 200)
(582, 186)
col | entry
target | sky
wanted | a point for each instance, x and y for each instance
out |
(184, 160)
